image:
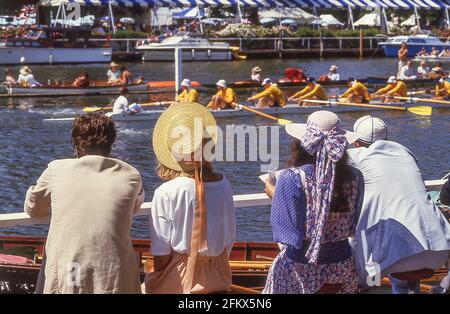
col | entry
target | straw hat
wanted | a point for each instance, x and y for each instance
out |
(113, 64)
(333, 67)
(325, 121)
(370, 129)
(25, 70)
(179, 133)
(222, 83)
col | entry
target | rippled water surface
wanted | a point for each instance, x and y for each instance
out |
(27, 144)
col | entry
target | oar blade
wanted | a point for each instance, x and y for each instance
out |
(284, 121)
(91, 109)
(421, 110)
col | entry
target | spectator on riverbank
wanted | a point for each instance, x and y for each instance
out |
(423, 71)
(387, 240)
(314, 206)
(88, 247)
(422, 52)
(402, 56)
(192, 219)
(445, 53)
(434, 52)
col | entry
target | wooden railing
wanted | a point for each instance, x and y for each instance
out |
(240, 201)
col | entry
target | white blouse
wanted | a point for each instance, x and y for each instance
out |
(172, 213)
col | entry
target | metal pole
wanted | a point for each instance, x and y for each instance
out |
(238, 3)
(200, 19)
(178, 69)
(350, 18)
(417, 17)
(111, 17)
(447, 17)
(360, 43)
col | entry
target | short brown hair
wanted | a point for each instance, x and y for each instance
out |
(93, 134)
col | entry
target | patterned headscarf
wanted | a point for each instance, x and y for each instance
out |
(328, 147)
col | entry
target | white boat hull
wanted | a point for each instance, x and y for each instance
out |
(151, 115)
(30, 55)
(70, 91)
(193, 54)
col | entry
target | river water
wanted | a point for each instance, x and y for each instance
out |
(27, 144)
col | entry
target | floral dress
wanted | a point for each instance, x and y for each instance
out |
(289, 224)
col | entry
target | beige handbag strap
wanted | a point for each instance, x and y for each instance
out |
(198, 239)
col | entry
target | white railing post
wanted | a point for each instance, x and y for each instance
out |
(178, 69)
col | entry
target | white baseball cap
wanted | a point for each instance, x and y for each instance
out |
(186, 82)
(441, 81)
(325, 121)
(222, 83)
(391, 79)
(267, 80)
(370, 129)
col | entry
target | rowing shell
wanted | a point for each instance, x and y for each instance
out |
(289, 109)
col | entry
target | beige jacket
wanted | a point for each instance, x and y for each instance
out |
(92, 200)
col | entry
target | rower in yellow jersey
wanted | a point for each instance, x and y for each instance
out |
(271, 96)
(356, 92)
(188, 93)
(312, 91)
(442, 89)
(393, 88)
(224, 98)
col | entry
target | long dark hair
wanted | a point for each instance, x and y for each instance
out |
(298, 157)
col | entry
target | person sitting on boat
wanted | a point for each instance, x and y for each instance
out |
(187, 92)
(422, 52)
(314, 206)
(9, 78)
(423, 71)
(313, 91)
(271, 96)
(406, 73)
(442, 89)
(434, 52)
(357, 92)
(121, 104)
(224, 98)
(333, 75)
(82, 79)
(192, 219)
(394, 88)
(256, 74)
(91, 200)
(398, 229)
(445, 53)
(437, 72)
(26, 78)
(125, 76)
(113, 73)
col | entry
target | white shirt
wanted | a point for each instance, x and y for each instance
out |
(113, 76)
(334, 76)
(406, 73)
(422, 72)
(256, 77)
(120, 105)
(172, 215)
(27, 80)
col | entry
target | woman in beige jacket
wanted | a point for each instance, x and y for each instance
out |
(91, 200)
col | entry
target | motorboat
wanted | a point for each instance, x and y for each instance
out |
(415, 44)
(46, 45)
(193, 49)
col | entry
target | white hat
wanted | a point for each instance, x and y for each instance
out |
(391, 79)
(256, 69)
(325, 121)
(333, 67)
(25, 70)
(441, 81)
(222, 83)
(370, 129)
(186, 82)
(267, 80)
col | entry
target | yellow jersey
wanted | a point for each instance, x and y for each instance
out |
(443, 90)
(308, 92)
(273, 92)
(397, 88)
(359, 89)
(191, 95)
(228, 95)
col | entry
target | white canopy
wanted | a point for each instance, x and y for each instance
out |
(328, 19)
(297, 14)
(410, 21)
(371, 19)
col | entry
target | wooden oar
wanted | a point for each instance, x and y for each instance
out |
(262, 114)
(434, 101)
(419, 110)
(150, 104)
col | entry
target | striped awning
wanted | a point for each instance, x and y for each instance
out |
(395, 4)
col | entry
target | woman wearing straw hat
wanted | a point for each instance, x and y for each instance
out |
(192, 220)
(113, 73)
(314, 210)
(256, 75)
(26, 78)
